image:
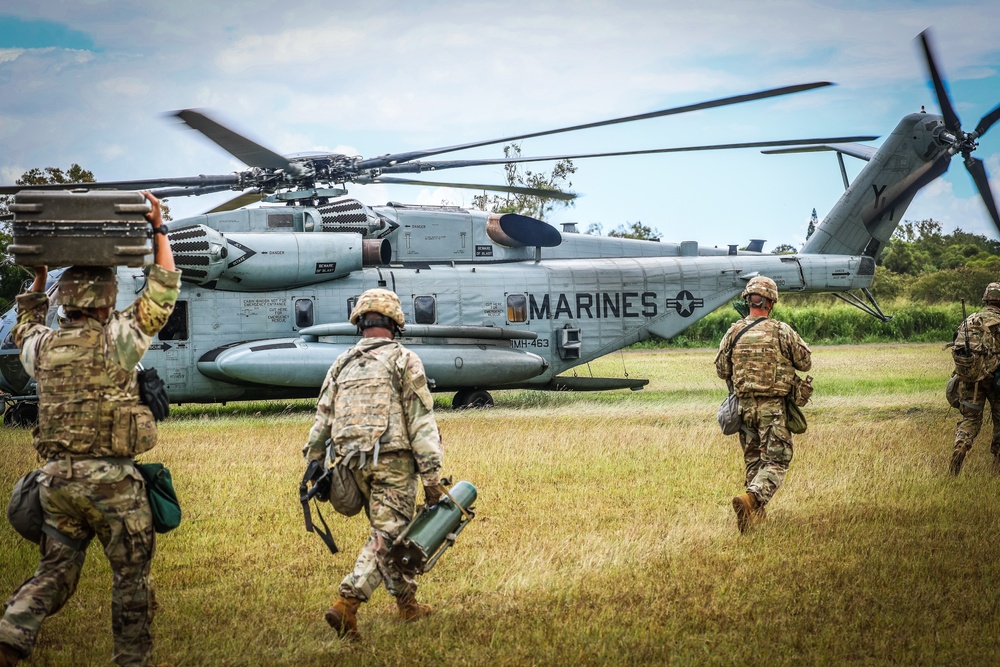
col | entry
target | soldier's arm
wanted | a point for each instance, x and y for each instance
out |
(418, 408)
(315, 447)
(795, 348)
(131, 331)
(723, 364)
(30, 331)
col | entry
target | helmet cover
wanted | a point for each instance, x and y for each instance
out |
(87, 287)
(763, 286)
(380, 301)
(992, 293)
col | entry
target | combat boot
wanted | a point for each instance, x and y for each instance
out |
(411, 610)
(956, 462)
(8, 656)
(343, 617)
(746, 507)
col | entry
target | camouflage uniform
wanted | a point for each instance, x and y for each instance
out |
(973, 396)
(90, 425)
(762, 373)
(376, 409)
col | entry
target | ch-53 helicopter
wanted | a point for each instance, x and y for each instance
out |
(491, 301)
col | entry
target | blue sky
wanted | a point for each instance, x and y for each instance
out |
(92, 83)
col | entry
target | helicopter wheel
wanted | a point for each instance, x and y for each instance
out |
(21, 415)
(472, 398)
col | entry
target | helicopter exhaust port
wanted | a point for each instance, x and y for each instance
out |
(376, 252)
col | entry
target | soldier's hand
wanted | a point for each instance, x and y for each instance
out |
(433, 494)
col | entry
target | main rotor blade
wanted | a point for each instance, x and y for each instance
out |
(147, 184)
(239, 201)
(533, 192)
(951, 120)
(909, 186)
(987, 121)
(247, 151)
(392, 159)
(416, 167)
(978, 171)
(163, 193)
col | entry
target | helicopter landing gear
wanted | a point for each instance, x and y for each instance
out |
(471, 398)
(21, 415)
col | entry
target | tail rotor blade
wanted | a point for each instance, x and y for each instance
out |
(978, 171)
(951, 120)
(987, 121)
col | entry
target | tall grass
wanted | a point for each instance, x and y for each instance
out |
(604, 534)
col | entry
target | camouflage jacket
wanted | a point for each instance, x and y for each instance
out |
(981, 330)
(764, 360)
(88, 398)
(376, 393)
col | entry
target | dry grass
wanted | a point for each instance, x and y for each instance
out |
(604, 534)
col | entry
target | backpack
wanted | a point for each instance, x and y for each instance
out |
(972, 349)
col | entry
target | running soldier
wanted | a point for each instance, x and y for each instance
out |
(976, 351)
(760, 368)
(90, 425)
(376, 409)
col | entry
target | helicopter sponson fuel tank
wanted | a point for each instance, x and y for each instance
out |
(249, 262)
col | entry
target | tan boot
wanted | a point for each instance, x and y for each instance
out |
(411, 610)
(343, 618)
(957, 458)
(745, 506)
(8, 656)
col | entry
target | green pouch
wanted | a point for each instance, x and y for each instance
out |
(162, 498)
(795, 419)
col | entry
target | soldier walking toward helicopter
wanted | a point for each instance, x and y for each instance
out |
(760, 369)
(375, 412)
(976, 352)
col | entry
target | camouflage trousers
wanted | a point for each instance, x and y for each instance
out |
(391, 490)
(118, 513)
(973, 397)
(766, 443)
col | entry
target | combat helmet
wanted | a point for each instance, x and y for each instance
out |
(380, 301)
(763, 286)
(88, 287)
(992, 293)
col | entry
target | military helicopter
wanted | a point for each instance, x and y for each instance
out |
(492, 301)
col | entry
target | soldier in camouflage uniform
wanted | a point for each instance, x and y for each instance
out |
(377, 411)
(90, 425)
(982, 331)
(761, 370)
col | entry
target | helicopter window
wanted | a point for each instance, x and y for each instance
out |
(424, 309)
(176, 327)
(303, 313)
(517, 308)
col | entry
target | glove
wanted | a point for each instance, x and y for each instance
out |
(433, 494)
(153, 393)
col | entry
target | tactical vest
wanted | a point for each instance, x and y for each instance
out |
(975, 349)
(367, 407)
(88, 407)
(759, 365)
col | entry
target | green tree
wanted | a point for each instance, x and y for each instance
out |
(635, 230)
(530, 205)
(784, 249)
(813, 224)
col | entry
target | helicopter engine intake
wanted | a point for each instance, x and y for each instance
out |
(249, 262)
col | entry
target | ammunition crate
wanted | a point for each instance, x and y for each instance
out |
(80, 227)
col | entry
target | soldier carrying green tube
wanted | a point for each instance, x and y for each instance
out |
(377, 411)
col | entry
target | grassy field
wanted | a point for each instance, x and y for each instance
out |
(604, 534)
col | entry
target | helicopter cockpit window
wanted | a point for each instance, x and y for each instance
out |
(177, 326)
(424, 309)
(517, 308)
(303, 313)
